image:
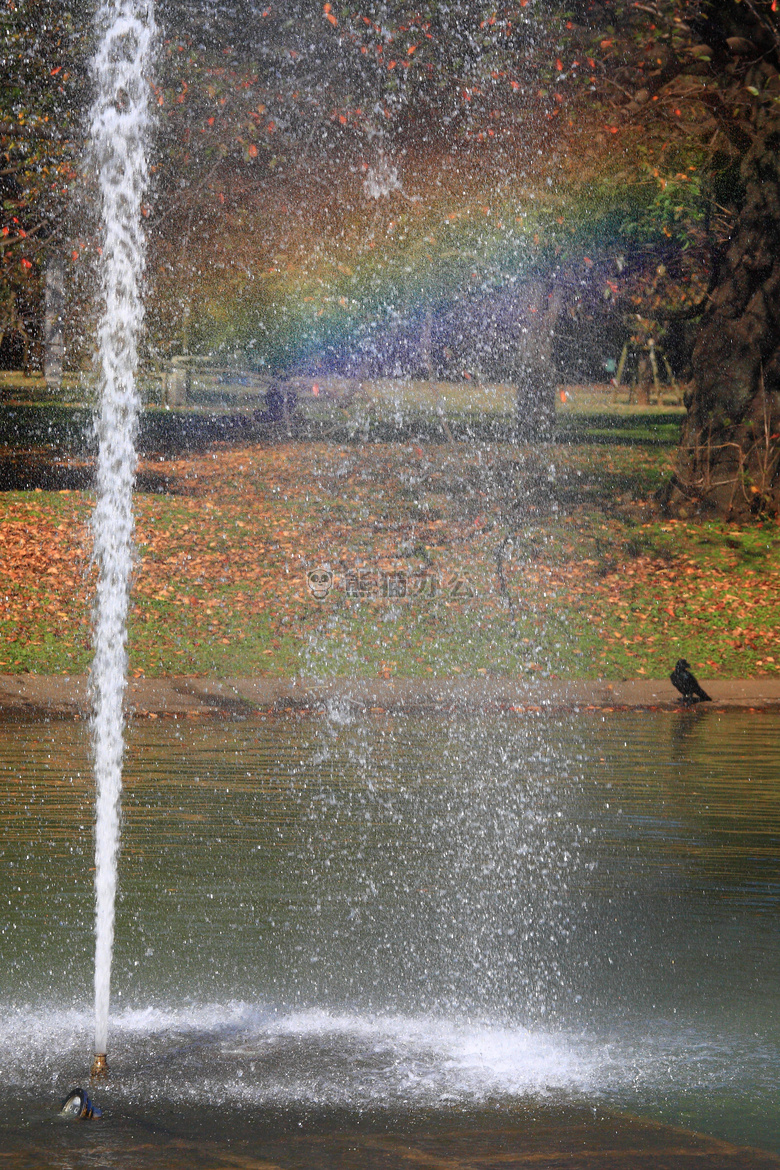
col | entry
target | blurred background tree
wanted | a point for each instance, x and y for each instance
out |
(45, 47)
(355, 186)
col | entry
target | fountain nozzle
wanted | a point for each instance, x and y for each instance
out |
(99, 1067)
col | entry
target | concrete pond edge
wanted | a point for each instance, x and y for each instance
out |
(34, 696)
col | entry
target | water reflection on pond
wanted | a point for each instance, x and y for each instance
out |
(407, 914)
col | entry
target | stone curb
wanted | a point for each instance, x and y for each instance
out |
(31, 696)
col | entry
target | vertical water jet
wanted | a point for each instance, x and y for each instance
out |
(119, 130)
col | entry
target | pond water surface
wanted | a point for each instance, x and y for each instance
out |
(333, 917)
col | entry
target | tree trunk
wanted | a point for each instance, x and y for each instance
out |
(54, 326)
(426, 355)
(729, 457)
(533, 371)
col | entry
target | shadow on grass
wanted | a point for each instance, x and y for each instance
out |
(70, 428)
(48, 470)
(50, 447)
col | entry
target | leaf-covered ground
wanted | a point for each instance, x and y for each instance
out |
(590, 582)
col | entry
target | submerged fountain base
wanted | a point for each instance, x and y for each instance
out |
(78, 1107)
(99, 1071)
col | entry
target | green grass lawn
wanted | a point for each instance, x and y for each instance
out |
(593, 582)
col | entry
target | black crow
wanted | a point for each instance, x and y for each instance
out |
(684, 679)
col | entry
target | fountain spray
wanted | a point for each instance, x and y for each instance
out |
(120, 126)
